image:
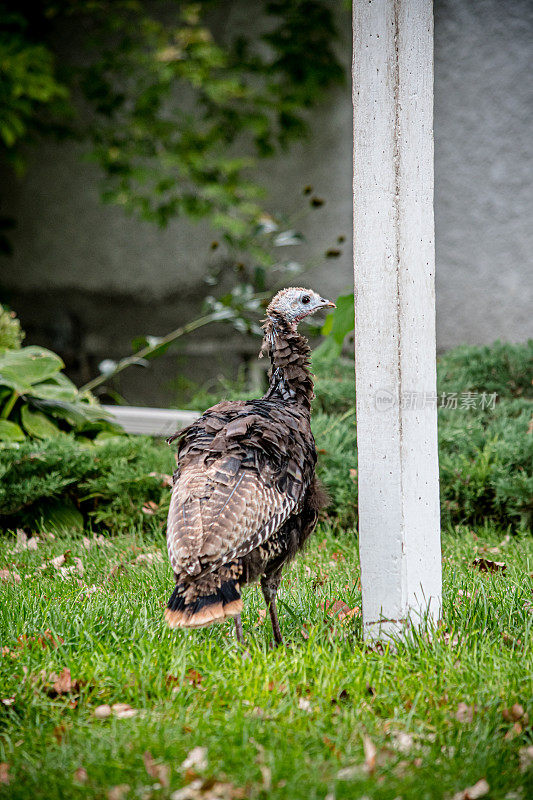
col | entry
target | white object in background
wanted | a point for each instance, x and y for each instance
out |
(394, 260)
(151, 421)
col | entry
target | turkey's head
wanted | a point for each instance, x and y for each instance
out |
(293, 304)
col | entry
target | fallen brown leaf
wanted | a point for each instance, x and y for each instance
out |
(479, 789)
(464, 713)
(196, 759)
(340, 610)
(80, 775)
(59, 732)
(4, 773)
(525, 757)
(513, 732)
(9, 577)
(148, 558)
(123, 710)
(194, 677)
(150, 508)
(118, 792)
(62, 684)
(25, 543)
(209, 789)
(304, 704)
(370, 754)
(102, 712)
(486, 565)
(160, 772)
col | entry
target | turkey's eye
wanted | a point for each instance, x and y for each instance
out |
(306, 299)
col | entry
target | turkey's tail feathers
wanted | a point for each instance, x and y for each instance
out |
(205, 610)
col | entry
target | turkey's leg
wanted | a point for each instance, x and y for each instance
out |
(238, 629)
(270, 586)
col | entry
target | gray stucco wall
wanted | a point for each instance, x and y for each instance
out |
(120, 276)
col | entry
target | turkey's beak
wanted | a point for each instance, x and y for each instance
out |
(327, 303)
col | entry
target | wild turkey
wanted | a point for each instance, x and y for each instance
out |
(245, 495)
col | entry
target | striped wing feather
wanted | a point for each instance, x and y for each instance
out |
(219, 512)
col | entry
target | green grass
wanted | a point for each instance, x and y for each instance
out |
(286, 723)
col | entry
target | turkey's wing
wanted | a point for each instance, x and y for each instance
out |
(221, 512)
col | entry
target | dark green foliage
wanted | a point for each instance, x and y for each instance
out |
(506, 369)
(486, 454)
(37, 400)
(168, 96)
(108, 482)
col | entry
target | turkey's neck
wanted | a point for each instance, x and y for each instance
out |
(290, 377)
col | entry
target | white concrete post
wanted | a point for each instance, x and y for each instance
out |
(399, 521)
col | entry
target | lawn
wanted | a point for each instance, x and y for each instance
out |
(324, 716)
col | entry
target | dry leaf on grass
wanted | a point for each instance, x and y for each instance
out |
(4, 773)
(464, 713)
(102, 712)
(160, 772)
(25, 543)
(209, 790)
(515, 731)
(80, 775)
(148, 558)
(261, 616)
(340, 610)
(304, 704)
(479, 789)
(196, 760)
(194, 677)
(123, 711)
(348, 773)
(514, 713)
(118, 792)
(166, 480)
(61, 684)
(486, 565)
(370, 754)
(59, 732)
(150, 508)
(525, 758)
(403, 741)
(9, 577)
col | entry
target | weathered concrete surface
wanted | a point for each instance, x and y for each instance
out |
(66, 240)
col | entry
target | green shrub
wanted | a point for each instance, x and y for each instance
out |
(501, 368)
(106, 483)
(486, 455)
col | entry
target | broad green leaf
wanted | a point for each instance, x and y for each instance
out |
(341, 321)
(10, 432)
(37, 424)
(29, 365)
(54, 389)
(76, 413)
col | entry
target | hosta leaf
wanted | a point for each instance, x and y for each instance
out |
(76, 413)
(37, 424)
(29, 365)
(10, 432)
(55, 389)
